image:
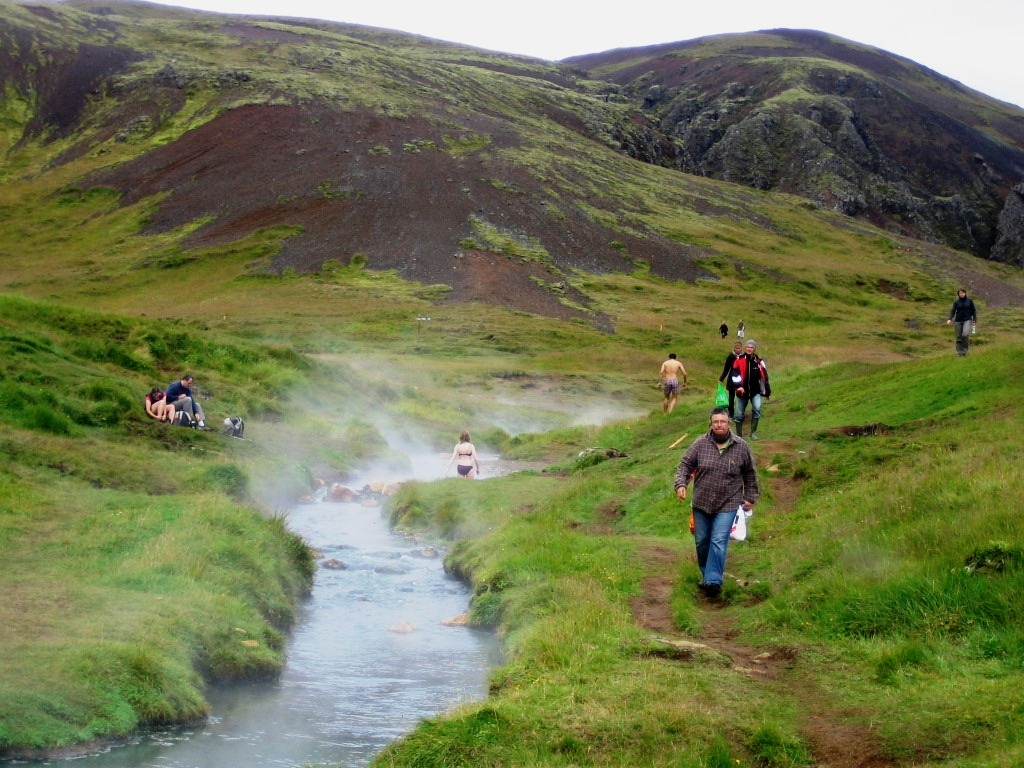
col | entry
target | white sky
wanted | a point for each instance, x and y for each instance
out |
(972, 42)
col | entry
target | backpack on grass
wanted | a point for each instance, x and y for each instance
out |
(182, 419)
(234, 427)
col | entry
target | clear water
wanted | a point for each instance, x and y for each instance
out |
(352, 683)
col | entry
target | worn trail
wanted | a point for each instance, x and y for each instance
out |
(836, 738)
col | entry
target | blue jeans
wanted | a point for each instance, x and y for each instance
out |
(741, 407)
(711, 536)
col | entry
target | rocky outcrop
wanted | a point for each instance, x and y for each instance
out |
(1009, 248)
(852, 128)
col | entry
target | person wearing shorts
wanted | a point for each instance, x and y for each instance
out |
(668, 377)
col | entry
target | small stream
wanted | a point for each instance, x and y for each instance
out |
(369, 656)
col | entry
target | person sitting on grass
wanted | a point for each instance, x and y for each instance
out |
(179, 394)
(157, 406)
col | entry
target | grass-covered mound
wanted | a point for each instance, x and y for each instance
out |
(136, 567)
(874, 616)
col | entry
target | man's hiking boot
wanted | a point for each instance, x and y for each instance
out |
(711, 590)
(753, 429)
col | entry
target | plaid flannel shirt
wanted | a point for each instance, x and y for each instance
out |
(724, 478)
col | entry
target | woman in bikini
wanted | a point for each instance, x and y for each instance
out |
(468, 465)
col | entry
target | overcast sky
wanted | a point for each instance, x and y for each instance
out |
(972, 42)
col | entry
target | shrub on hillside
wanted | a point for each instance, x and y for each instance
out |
(107, 351)
(104, 403)
(45, 419)
(229, 479)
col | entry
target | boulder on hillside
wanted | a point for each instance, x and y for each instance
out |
(1009, 247)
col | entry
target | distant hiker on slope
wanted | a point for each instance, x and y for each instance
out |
(964, 318)
(724, 477)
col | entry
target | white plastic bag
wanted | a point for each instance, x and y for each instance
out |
(739, 524)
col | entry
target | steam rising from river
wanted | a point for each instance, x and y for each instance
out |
(419, 408)
(373, 651)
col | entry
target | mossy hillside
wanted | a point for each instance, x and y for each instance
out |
(75, 376)
(78, 375)
(332, 369)
(898, 563)
(94, 251)
(537, 361)
(802, 279)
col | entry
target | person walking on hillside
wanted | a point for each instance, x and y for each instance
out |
(750, 380)
(465, 454)
(726, 377)
(724, 330)
(964, 318)
(179, 394)
(724, 477)
(741, 330)
(668, 377)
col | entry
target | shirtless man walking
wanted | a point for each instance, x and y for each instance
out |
(671, 370)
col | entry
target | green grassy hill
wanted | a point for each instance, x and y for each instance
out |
(881, 582)
(873, 617)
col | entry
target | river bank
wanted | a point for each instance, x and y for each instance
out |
(373, 651)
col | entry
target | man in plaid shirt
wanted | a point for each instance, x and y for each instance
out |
(724, 476)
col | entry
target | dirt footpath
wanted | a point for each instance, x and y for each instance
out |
(836, 739)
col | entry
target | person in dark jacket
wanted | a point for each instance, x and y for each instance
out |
(726, 377)
(179, 394)
(750, 380)
(964, 319)
(724, 478)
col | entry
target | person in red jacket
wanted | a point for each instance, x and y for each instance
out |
(750, 381)
(726, 378)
